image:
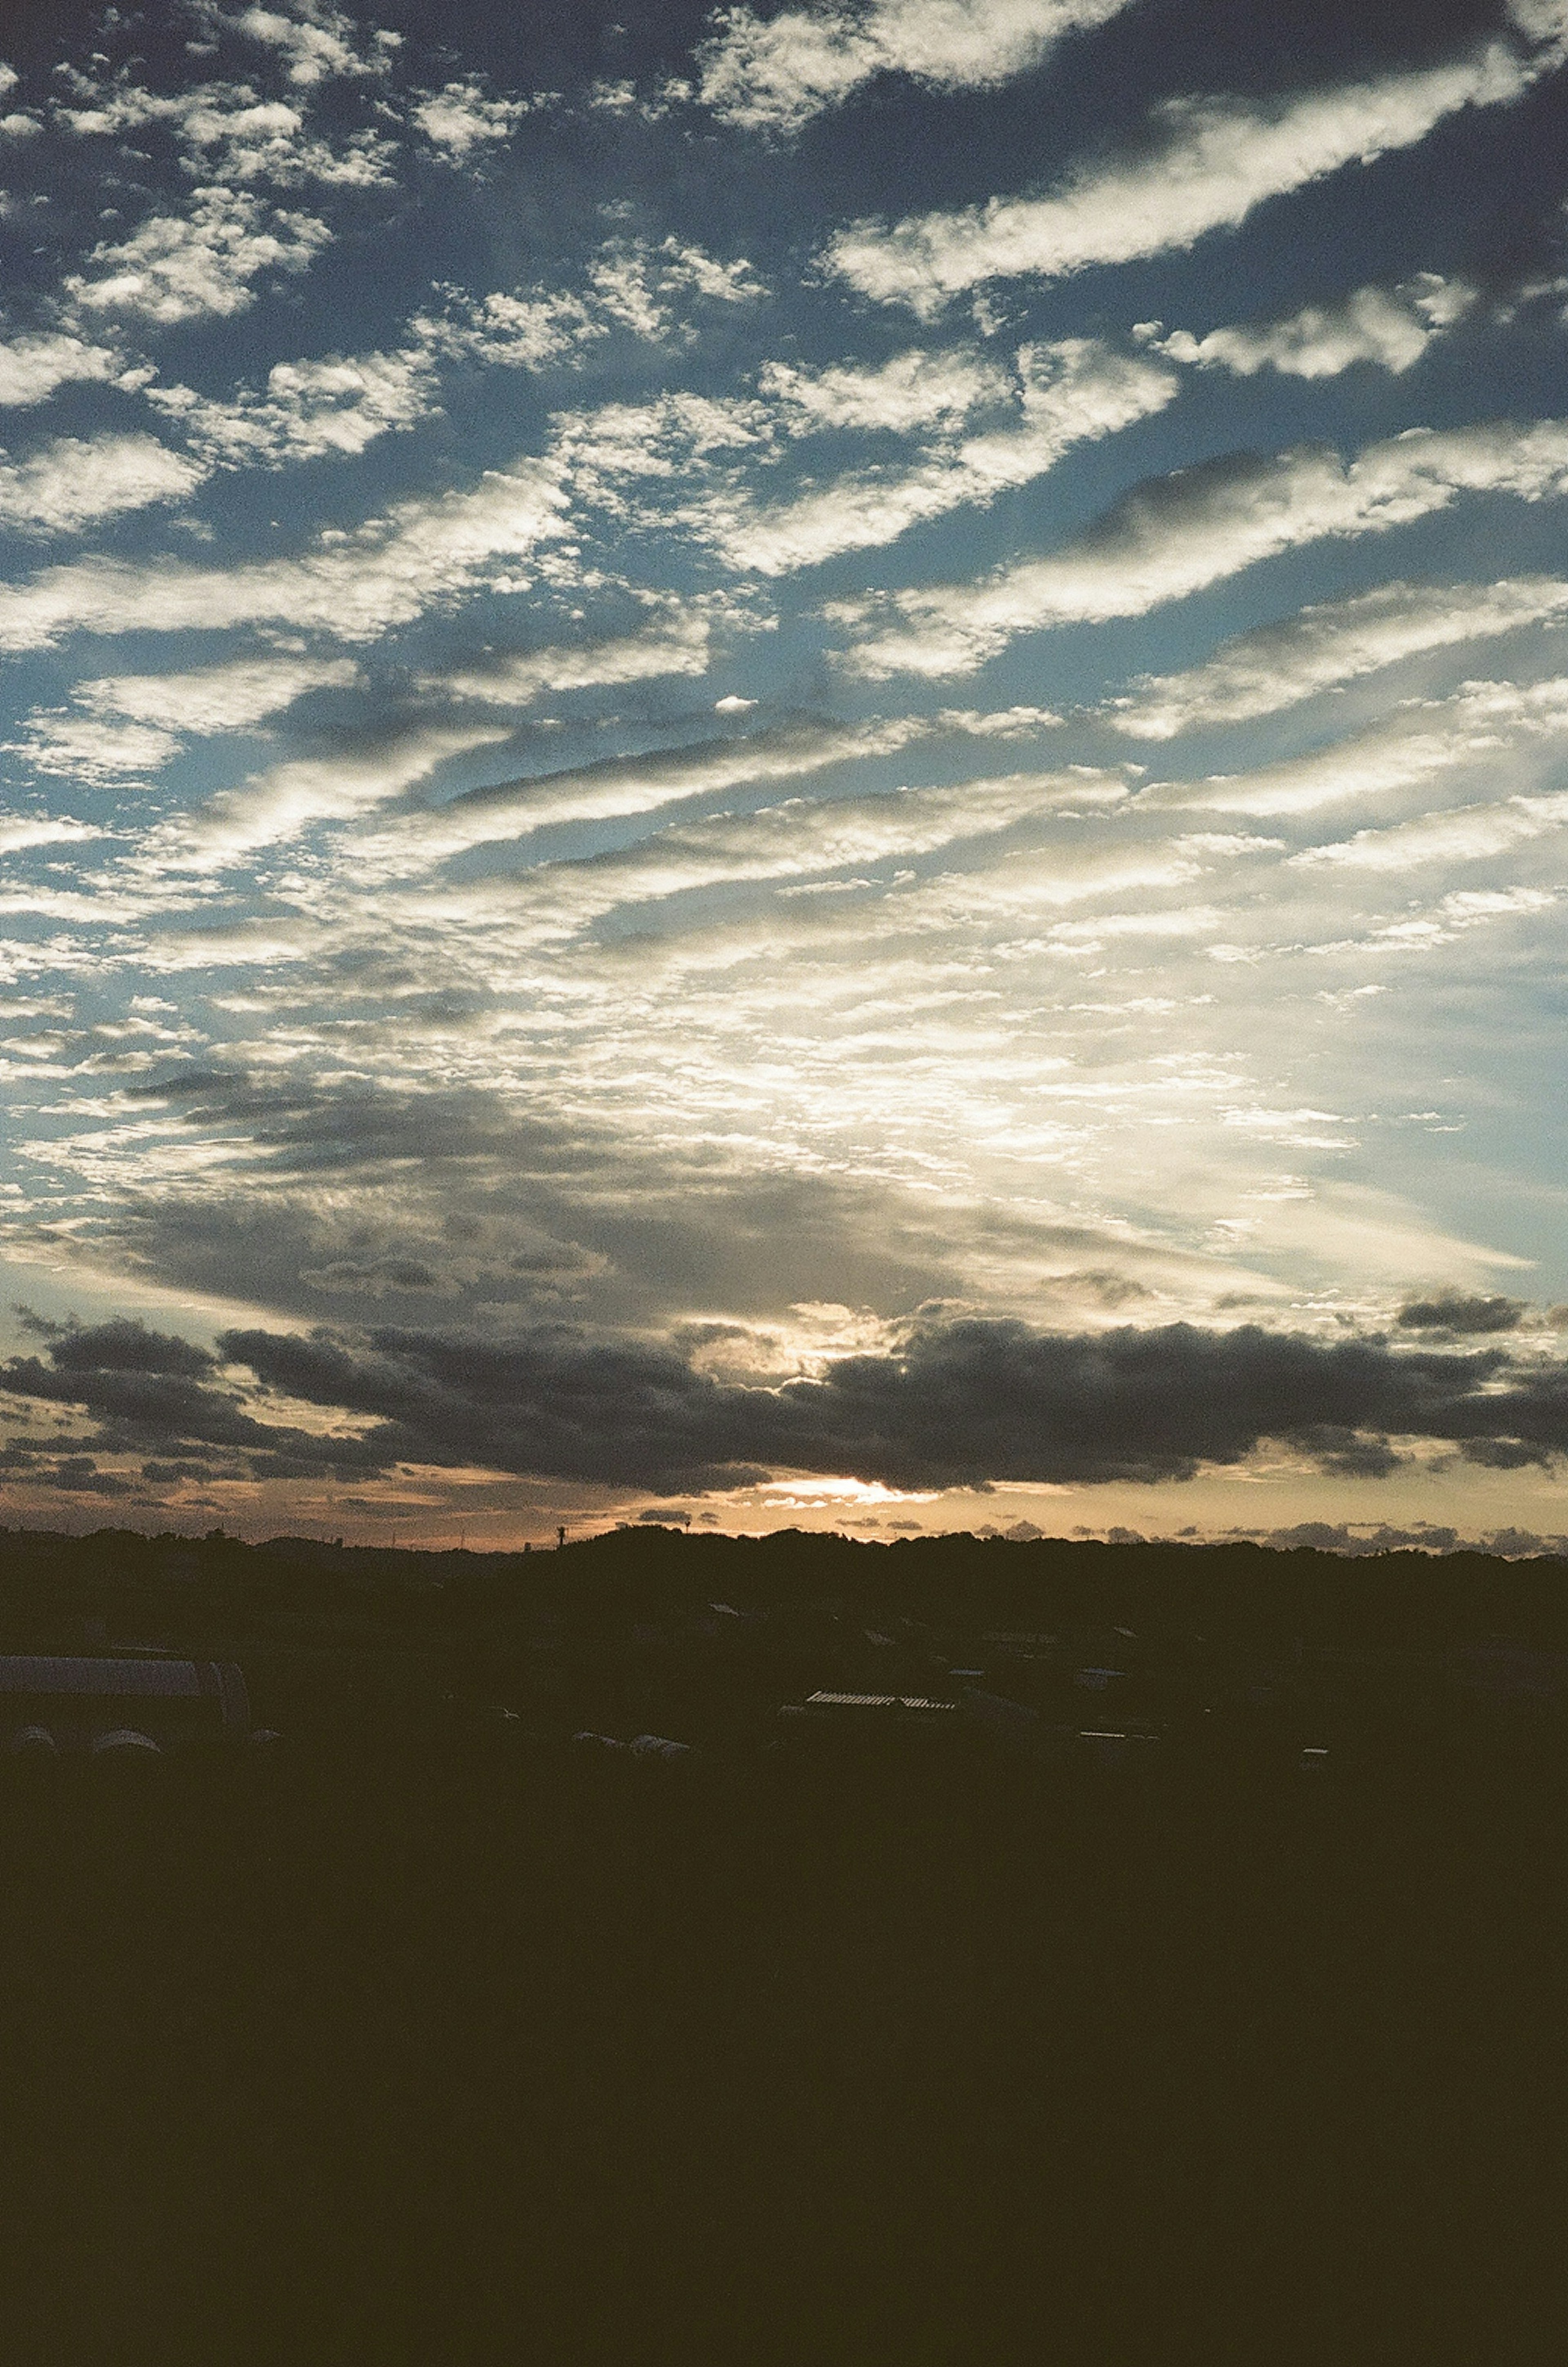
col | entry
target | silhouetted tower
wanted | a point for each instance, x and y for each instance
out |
(561, 1535)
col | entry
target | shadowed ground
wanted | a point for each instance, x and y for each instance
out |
(489, 2051)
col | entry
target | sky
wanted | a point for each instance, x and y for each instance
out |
(784, 766)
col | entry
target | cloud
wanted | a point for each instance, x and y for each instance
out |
(310, 409)
(960, 1404)
(33, 365)
(461, 118)
(514, 332)
(1455, 1312)
(77, 482)
(775, 75)
(229, 697)
(623, 786)
(1476, 725)
(228, 135)
(19, 831)
(198, 266)
(911, 390)
(798, 839)
(1392, 327)
(423, 553)
(1177, 535)
(1073, 392)
(79, 748)
(132, 723)
(318, 41)
(288, 798)
(635, 280)
(152, 1392)
(1466, 834)
(1217, 161)
(1332, 642)
(676, 645)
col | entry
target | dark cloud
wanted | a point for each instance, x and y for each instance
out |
(152, 1393)
(124, 1345)
(1339, 1537)
(1453, 1312)
(962, 1404)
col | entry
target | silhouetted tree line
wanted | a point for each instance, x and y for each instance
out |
(288, 1587)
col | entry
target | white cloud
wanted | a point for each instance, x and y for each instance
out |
(178, 267)
(1073, 392)
(292, 797)
(678, 645)
(134, 723)
(632, 284)
(74, 481)
(310, 409)
(671, 439)
(18, 831)
(230, 697)
(637, 283)
(77, 748)
(31, 366)
(1181, 533)
(1467, 834)
(1478, 725)
(9, 78)
(229, 133)
(1390, 326)
(317, 39)
(354, 587)
(461, 118)
(514, 332)
(622, 788)
(797, 839)
(775, 75)
(1335, 642)
(913, 391)
(1219, 159)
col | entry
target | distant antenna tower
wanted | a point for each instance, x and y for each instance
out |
(561, 1535)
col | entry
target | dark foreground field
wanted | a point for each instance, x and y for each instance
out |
(498, 2052)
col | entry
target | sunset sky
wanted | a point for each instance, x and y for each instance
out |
(785, 766)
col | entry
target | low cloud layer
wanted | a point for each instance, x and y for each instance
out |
(960, 1404)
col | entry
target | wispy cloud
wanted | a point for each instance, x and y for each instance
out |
(1075, 391)
(1218, 160)
(138, 723)
(310, 409)
(912, 390)
(463, 120)
(33, 364)
(77, 482)
(1177, 535)
(624, 786)
(678, 644)
(200, 265)
(1388, 326)
(776, 74)
(1335, 641)
(354, 588)
(801, 838)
